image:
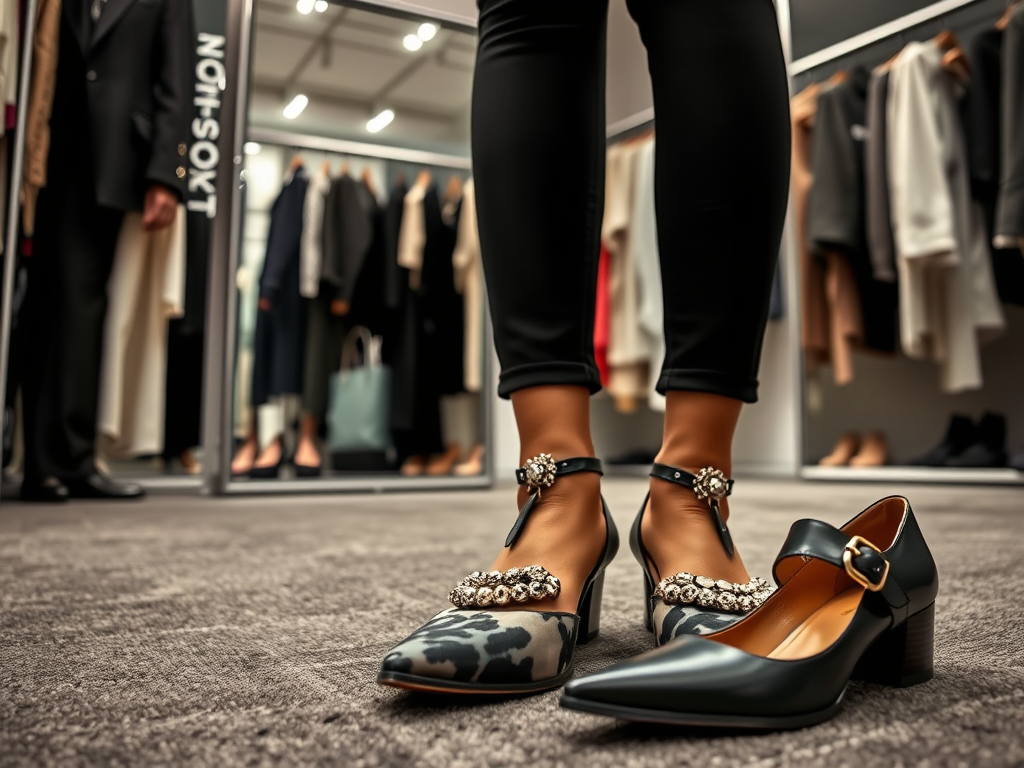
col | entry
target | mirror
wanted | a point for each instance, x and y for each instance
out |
(360, 330)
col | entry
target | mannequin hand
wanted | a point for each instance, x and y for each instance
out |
(265, 304)
(339, 307)
(161, 208)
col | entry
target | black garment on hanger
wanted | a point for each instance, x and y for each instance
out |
(982, 106)
(836, 218)
(396, 279)
(279, 344)
(442, 306)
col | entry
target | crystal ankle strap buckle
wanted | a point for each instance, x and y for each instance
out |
(539, 472)
(479, 590)
(720, 595)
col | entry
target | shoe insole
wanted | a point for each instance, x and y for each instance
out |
(821, 629)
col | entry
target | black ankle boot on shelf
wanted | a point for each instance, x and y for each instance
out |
(989, 447)
(959, 437)
(468, 649)
(854, 603)
(688, 604)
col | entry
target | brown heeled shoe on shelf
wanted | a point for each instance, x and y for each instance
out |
(414, 466)
(846, 449)
(443, 464)
(473, 465)
(874, 452)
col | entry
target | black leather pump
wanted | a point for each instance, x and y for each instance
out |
(468, 649)
(854, 603)
(688, 604)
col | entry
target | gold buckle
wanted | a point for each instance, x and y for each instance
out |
(853, 548)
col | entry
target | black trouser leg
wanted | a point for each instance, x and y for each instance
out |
(722, 165)
(721, 102)
(65, 311)
(538, 158)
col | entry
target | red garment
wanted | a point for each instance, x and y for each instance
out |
(603, 316)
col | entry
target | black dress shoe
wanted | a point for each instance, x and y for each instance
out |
(855, 603)
(960, 435)
(99, 486)
(989, 448)
(48, 490)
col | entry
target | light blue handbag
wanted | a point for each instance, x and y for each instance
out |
(358, 416)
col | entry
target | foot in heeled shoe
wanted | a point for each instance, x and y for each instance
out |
(854, 603)
(513, 630)
(307, 458)
(268, 464)
(695, 581)
(99, 486)
(414, 466)
(242, 463)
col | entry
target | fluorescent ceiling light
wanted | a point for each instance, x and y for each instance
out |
(381, 121)
(305, 6)
(321, 6)
(412, 42)
(295, 106)
(252, 148)
(426, 32)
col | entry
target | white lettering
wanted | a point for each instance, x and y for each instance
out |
(211, 46)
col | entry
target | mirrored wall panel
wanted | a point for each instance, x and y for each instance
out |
(360, 331)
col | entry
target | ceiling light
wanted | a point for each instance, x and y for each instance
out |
(321, 5)
(426, 32)
(305, 6)
(252, 148)
(381, 121)
(412, 42)
(295, 106)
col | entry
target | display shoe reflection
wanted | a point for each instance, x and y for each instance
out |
(470, 649)
(693, 604)
(853, 603)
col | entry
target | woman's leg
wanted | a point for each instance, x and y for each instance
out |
(538, 158)
(722, 174)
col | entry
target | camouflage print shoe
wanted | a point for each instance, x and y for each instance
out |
(685, 604)
(468, 649)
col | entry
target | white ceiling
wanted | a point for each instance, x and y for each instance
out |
(351, 63)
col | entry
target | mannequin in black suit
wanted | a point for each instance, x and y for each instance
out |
(121, 113)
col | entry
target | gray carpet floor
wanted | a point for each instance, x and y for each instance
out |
(188, 631)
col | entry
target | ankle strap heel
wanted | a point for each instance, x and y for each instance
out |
(685, 603)
(710, 484)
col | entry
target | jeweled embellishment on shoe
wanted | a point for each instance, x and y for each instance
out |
(539, 472)
(711, 483)
(720, 595)
(516, 585)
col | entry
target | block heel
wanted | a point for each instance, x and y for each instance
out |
(590, 612)
(903, 656)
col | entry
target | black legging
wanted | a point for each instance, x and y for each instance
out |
(722, 175)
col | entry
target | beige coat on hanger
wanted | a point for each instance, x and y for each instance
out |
(145, 290)
(469, 281)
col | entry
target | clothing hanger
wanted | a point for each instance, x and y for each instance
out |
(295, 164)
(954, 60)
(325, 168)
(343, 169)
(454, 190)
(367, 177)
(1004, 20)
(424, 178)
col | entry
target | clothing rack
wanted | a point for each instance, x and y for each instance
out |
(878, 34)
(362, 149)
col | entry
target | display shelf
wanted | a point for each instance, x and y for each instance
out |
(915, 475)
